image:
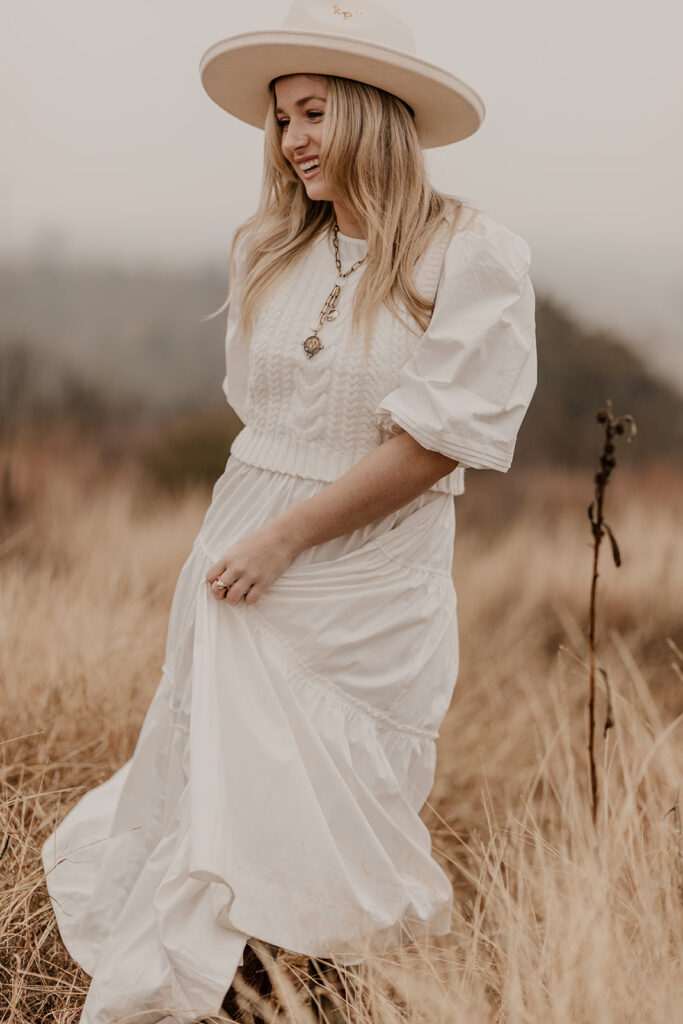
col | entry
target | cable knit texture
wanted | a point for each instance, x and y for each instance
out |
(316, 418)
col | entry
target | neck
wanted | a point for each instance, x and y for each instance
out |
(348, 222)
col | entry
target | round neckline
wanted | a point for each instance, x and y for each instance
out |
(353, 248)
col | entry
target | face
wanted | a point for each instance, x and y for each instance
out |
(300, 102)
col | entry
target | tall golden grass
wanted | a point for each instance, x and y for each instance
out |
(555, 921)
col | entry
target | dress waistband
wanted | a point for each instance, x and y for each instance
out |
(312, 460)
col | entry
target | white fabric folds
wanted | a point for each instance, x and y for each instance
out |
(465, 390)
(275, 786)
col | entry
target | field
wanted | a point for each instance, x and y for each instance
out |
(555, 922)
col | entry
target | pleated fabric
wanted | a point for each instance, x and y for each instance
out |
(275, 788)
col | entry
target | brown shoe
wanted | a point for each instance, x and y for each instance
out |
(256, 977)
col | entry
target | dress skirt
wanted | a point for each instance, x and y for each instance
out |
(276, 782)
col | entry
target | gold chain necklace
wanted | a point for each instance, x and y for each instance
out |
(313, 345)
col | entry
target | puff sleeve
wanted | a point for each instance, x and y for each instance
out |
(236, 351)
(466, 388)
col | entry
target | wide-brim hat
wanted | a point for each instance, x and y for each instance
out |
(365, 42)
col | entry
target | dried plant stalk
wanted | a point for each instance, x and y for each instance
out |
(624, 425)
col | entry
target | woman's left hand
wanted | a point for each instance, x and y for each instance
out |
(251, 565)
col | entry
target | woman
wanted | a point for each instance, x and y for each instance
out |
(380, 340)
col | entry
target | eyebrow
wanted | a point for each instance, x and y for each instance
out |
(300, 103)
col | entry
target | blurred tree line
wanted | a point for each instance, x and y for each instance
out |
(128, 358)
(578, 370)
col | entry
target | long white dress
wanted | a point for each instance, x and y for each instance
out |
(275, 786)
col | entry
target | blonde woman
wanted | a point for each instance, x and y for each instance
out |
(380, 340)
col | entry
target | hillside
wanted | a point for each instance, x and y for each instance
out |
(577, 371)
(130, 343)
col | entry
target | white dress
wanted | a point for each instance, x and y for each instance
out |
(275, 786)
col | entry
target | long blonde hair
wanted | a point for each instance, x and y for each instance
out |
(371, 156)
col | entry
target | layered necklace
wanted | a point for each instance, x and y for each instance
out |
(313, 344)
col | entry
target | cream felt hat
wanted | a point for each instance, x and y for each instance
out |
(365, 42)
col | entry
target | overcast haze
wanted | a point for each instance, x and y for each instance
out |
(113, 150)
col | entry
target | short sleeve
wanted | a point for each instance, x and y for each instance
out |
(465, 390)
(236, 351)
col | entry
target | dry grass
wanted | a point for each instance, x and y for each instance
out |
(555, 922)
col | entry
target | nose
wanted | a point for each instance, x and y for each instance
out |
(297, 137)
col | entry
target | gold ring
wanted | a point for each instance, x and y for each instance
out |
(221, 584)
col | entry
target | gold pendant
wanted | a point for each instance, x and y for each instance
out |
(312, 345)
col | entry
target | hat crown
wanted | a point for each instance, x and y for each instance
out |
(362, 19)
(356, 39)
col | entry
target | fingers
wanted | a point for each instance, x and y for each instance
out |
(219, 589)
(219, 579)
(229, 586)
(233, 584)
(216, 570)
(238, 590)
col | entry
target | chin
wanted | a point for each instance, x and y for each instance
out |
(318, 191)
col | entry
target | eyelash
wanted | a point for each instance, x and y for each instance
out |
(283, 122)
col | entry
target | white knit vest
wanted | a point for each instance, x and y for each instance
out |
(315, 418)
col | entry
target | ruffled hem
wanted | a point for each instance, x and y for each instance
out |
(276, 782)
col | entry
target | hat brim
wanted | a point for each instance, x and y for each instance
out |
(236, 73)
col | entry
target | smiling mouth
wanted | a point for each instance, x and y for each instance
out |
(309, 169)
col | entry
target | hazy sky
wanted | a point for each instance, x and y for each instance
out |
(111, 147)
